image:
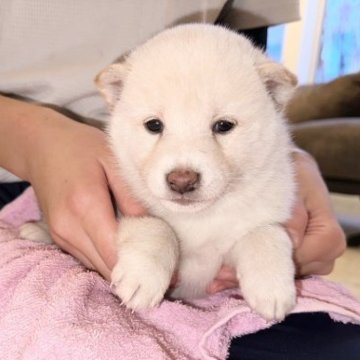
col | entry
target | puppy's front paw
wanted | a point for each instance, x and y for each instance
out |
(147, 256)
(140, 281)
(272, 299)
(265, 269)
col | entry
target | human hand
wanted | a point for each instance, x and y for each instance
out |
(317, 237)
(71, 170)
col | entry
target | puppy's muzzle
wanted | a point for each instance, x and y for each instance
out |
(183, 180)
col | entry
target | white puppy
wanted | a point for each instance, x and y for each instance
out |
(198, 134)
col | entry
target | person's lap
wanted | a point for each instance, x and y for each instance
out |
(300, 336)
(304, 336)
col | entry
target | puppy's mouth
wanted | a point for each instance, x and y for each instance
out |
(184, 201)
(186, 204)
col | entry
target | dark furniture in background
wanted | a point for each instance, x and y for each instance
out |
(325, 121)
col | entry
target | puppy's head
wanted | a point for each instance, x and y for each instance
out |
(196, 114)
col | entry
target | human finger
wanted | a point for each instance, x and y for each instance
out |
(225, 279)
(316, 268)
(76, 242)
(226, 273)
(125, 200)
(220, 285)
(324, 242)
(99, 224)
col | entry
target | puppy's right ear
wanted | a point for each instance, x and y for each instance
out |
(110, 82)
(279, 82)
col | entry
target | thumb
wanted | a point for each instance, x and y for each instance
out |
(126, 202)
(297, 224)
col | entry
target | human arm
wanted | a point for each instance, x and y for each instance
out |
(71, 169)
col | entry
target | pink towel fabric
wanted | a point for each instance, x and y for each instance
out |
(51, 307)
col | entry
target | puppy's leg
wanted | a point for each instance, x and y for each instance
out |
(147, 257)
(265, 270)
(36, 231)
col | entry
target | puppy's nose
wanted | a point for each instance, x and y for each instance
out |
(183, 180)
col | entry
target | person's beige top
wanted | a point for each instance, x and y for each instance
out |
(51, 51)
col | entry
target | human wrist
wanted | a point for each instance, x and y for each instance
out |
(16, 121)
(50, 133)
(25, 128)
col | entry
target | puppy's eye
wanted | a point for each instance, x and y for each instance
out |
(222, 126)
(155, 126)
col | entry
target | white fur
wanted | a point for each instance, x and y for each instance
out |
(190, 77)
(36, 231)
(144, 267)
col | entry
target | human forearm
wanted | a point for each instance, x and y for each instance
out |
(21, 125)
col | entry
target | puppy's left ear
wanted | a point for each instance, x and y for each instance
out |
(279, 82)
(110, 82)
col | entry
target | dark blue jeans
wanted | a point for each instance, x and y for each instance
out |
(9, 191)
(311, 336)
(299, 337)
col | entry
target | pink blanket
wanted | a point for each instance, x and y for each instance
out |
(51, 307)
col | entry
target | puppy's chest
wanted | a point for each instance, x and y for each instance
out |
(218, 231)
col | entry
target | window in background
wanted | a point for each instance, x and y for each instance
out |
(340, 40)
(275, 42)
